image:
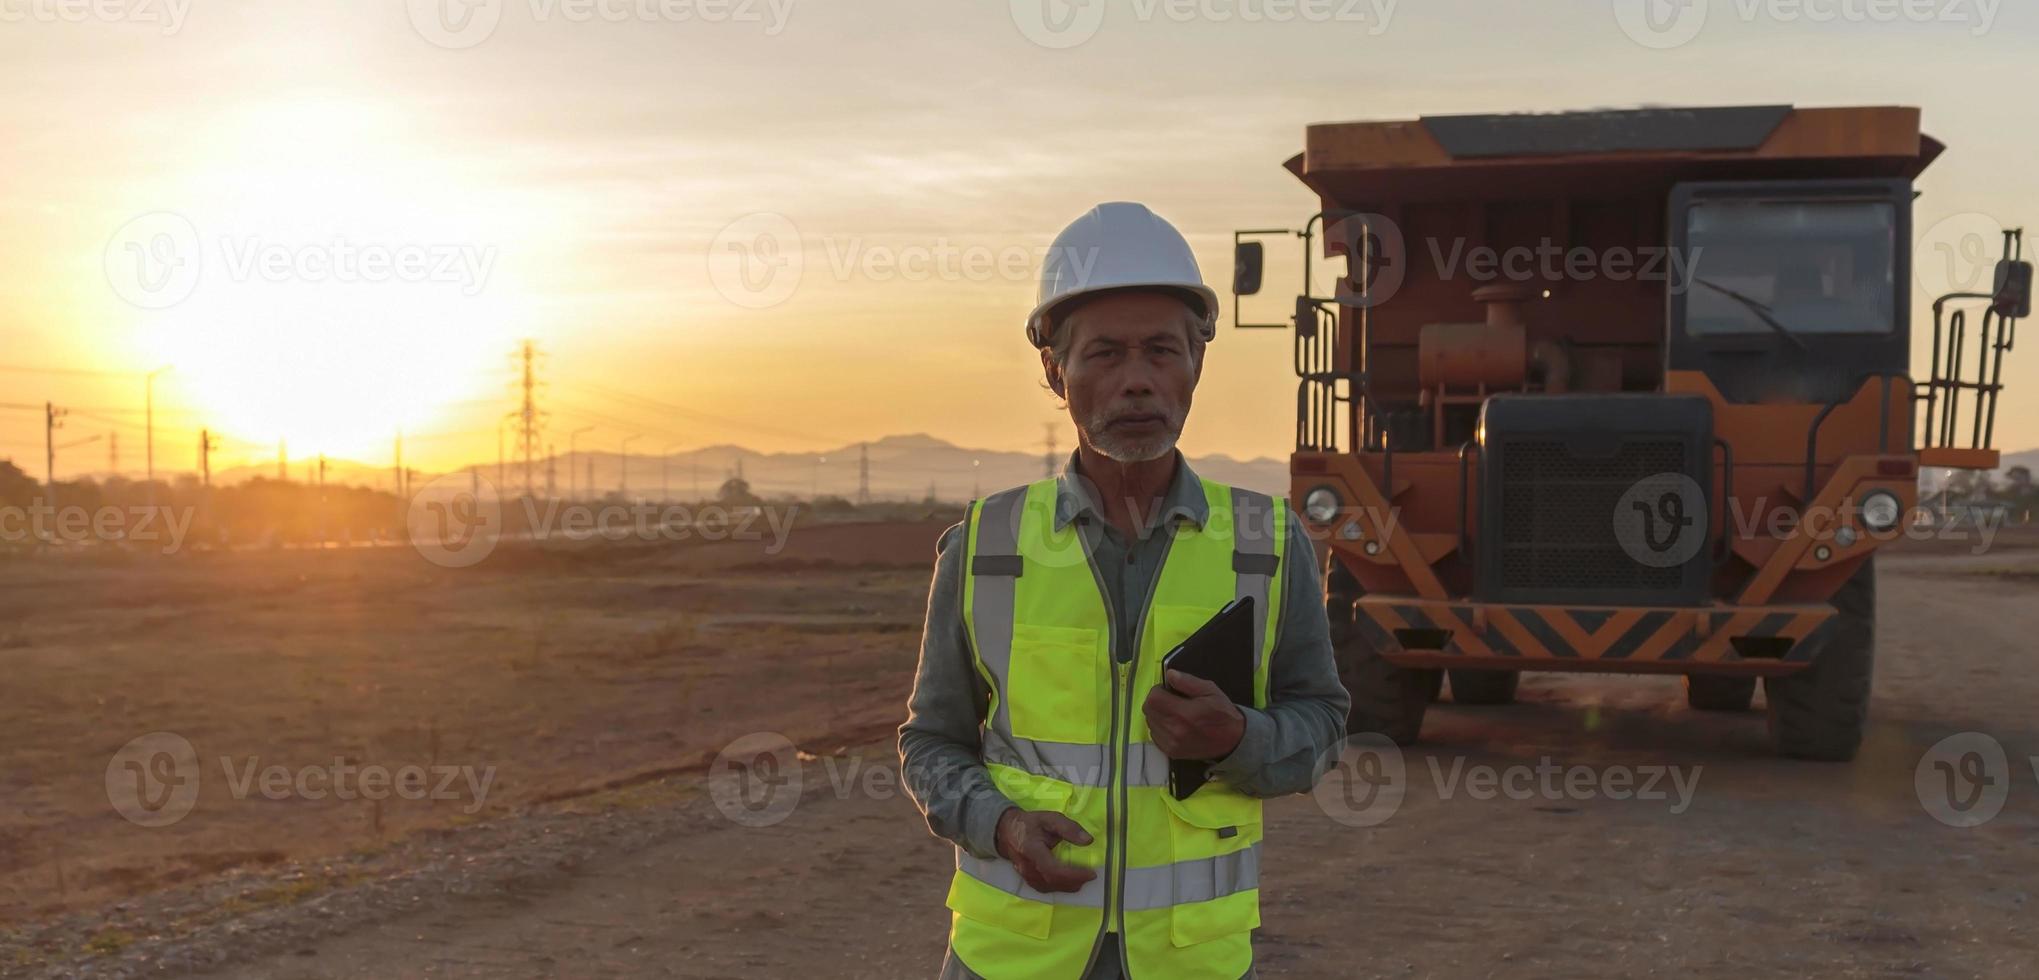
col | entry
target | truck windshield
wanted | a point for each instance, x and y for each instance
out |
(1809, 267)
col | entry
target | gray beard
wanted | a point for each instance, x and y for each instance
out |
(1124, 450)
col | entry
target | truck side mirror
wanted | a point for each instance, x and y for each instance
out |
(1306, 317)
(1247, 258)
(2013, 293)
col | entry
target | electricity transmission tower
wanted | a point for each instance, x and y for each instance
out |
(863, 473)
(1048, 461)
(527, 415)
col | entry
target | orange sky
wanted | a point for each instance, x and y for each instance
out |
(377, 218)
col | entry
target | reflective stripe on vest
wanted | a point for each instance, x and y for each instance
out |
(1064, 732)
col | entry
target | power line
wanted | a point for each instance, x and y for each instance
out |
(653, 403)
(72, 372)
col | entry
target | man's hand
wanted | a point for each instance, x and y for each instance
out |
(1028, 839)
(1192, 720)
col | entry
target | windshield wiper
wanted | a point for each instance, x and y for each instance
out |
(1762, 312)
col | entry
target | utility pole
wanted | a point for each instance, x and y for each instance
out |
(528, 414)
(52, 421)
(573, 453)
(552, 471)
(282, 461)
(399, 461)
(1048, 461)
(113, 452)
(207, 442)
(322, 501)
(149, 421)
(623, 466)
(863, 473)
(665, 475)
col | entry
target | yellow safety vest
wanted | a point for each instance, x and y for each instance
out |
(1178, 879)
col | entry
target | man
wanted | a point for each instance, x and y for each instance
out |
(1041, 727)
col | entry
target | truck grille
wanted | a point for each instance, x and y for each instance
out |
(1557, 517)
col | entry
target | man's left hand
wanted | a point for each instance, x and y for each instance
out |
(1191, 719)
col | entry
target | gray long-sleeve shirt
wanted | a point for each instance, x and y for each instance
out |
(941, 745)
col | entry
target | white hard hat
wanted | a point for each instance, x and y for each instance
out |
(1119, 245)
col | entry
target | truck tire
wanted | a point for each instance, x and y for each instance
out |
(1484, 686)
(1820, 712)
(1386, 699)
(1712, 692)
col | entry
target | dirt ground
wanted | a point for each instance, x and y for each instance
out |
(599, 854)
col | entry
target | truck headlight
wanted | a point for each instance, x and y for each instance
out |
(1881, 510)
(1321, 505)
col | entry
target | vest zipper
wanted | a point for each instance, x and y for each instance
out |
(1112, 760)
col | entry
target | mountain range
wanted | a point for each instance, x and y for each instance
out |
(902, 467)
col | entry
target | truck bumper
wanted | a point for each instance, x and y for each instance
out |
(1752, 641)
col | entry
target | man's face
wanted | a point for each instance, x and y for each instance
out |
(1129, 375)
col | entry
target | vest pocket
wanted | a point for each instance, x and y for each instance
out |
(1201, 922)
(1209, 833)
(979, 902)
(1056, 691)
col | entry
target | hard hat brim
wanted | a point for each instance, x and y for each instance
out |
(1207, 327)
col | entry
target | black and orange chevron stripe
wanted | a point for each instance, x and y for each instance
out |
(1431, 633)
